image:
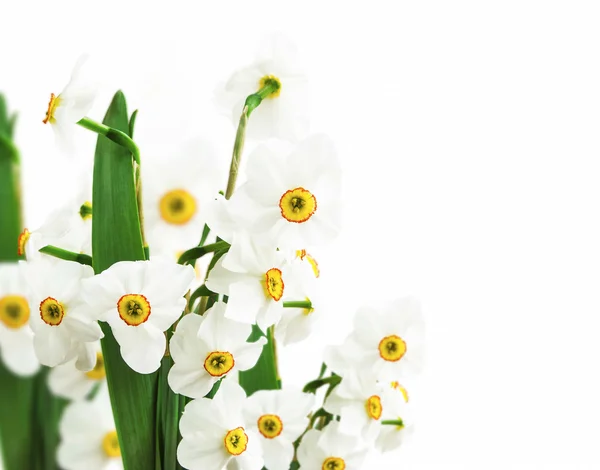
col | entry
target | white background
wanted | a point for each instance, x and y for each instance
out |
(470, 138)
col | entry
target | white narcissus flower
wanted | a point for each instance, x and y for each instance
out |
(140, 300)
(359, 401)
(64, 326)
(214, 433)
(296, 324)
(254, 279)
(284, 113)
(207, 348)
(388, 342)
(88, 439)
(176, 190)
(397, 409)
(330, 450)
(16, 337)
(292, 201)
(71, 104)
(69, 227)
(280, 417)
(68, 382)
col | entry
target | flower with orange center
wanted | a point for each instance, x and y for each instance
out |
(215, 434)
(396, 409)
(358, 399)
(387, 341)
(16, 337)
(67, 382)
(88, 439)
(175, 200)
(140, 300)
(207, 348)
(331, 449)
(22, 241)
(253, 277)
(279, 417)
(283, 112)
(63, 326)
(71, 105)
(289, 200)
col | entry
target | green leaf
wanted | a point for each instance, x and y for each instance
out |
(200, 251)
(116, 236)
(263, 376)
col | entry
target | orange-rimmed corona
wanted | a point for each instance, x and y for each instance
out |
(373, 407)
(134, 309)
(22, 240)
(303, 255)
(297, 205)
(52, 311)
(236, 441)
(392, 348)
(14, 311)
(52, 105)
(218, 363)
(270, 426)
(274, 284)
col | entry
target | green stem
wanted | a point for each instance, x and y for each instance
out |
(392, 422)
(200, 251)
(311, 387)
(297, 304)
(117, 136)
(252, 102)
(67, 255)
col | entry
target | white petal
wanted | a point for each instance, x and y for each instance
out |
(247, 355)
(278, 453)
(191, 382)
(52, 346)
(142, 347)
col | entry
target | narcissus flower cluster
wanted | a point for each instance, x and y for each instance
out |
(206, 345)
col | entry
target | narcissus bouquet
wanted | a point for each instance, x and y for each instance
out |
(140, 324)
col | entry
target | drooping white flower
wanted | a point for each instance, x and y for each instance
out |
(284, 113)
(388, 342)
(397, 409)
(65, 327)
(177, 188)
(16, 337)
(88, 439)
(214, 433)
(296, 324)
(68, 382)
(69, 227)
(280, 417)
(140, 300)
(71, 104)
(207, 348)
(254, 279)
(330, 450)
(359, 401)
(291, 201)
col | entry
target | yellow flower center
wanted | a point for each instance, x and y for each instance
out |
(218, 363)
(52, 311)
(396, 386)
(52, 105)
(134, 309)
(110, 444)
(374, 408)
(23, 237)
(297, 205)
(333, 463)
(274, 82)
(270, 426)
(177, 207)
(85, 211)
(236, 441)
(98, 372)
(392, 348)
(14, 311)
(274, 284)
